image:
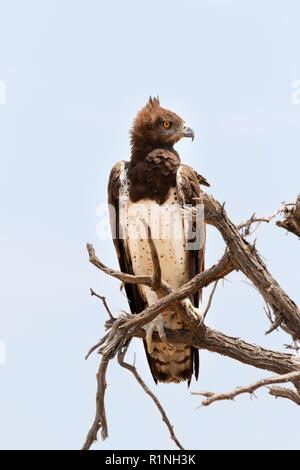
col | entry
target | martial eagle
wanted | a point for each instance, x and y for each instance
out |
(152, 186)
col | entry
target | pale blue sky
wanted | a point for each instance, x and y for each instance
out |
(76, 72)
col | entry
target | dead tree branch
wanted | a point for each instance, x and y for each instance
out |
(275, 379)
(247, 260)
(210, 300)
(132, 369)
(126, 326)
(103, 299)
(246, 226)
(200, 336)
(100, 418)
(281, 392)
(93, 348)
(291, 221)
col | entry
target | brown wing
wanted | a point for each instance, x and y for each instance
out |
(135, 300)
(201, 179)
(188, 187)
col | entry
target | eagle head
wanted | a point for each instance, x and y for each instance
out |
(156, 127)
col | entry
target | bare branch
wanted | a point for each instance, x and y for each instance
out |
(292, 219)
(212, 397)
(210, 300)
(295, 346)
(126, 278)
(156, 279)
(203, 279)
(100, 418)
(281, 392)
(253, 219)
(104, 303)
(275, 324)
(200, 336)
(247, 259)
(93, 348)
(235, 348)
(133, 370)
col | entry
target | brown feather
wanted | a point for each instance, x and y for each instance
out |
(147, 134)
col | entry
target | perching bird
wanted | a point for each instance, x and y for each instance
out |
(154, 187)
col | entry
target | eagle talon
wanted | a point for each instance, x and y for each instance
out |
(157, 324)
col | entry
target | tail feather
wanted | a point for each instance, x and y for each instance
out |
(172, 365)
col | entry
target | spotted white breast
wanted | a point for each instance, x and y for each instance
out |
(166, 224)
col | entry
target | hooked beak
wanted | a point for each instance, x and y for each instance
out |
(187, 132)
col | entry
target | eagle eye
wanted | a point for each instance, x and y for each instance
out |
(167, 124)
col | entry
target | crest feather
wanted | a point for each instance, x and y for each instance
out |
(153, 102)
